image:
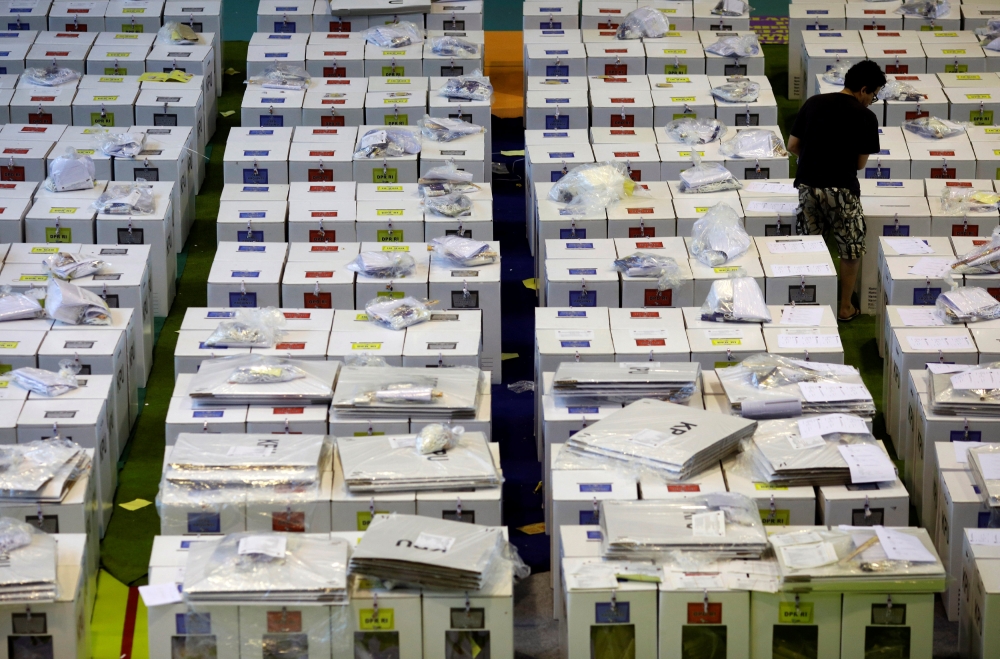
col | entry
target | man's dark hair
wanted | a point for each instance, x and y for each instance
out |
(866, 74)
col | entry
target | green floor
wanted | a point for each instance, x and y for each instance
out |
(127, 544)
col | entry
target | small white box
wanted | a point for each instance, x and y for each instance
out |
(134, 16)
(960, 507)
(403, 169)
(317, 285)
(724, 346)
(256, 166)
(272, 108)
(233, 284)
(333, 109)
(251, 221)
(25, 16)
(557, 15)
(877, 619)
(309, 419)
(79, 16)
(976, 104)
(117, 60)
(50, 222)
(616, 59)
(482, 617)
(182, 416)
(405, 61)
(106, 106)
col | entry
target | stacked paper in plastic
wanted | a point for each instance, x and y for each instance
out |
(41, 471)
(263, 380)
(398, 393)
(626, 382)
(28, 571)
(971, 392)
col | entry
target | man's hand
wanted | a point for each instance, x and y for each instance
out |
(862, 161)
(793, 144)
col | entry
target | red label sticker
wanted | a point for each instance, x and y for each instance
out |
(319, 274)
(958, 184)
(877, 12)
(941, 172)
(39, 118)
(325, 236)
(874, 27)
(33, 129)
(977, 243)
(942, 153)
(897, 68)
(317, 301)
(322, 188)
(995, 292)
(15, 173)
(289, 410)
(640, 211)
(70, 27)
(619, 120)
(323, 214)
(622, 100)
(965, 229)
(324, 248)
(641, 232)
(626, 154)
(16, 151)
(288, 345)
(647, 343)
(698, 615)
(654, 297)
(607, 26)
(616, 50)
(77, 11)
(910, 116)
(335, 53)
(325, 131)
(635, 174)
(334, 72)
(322, 154)
(689, 487)
(284, 622)
(612, 79)
(644, 314)
(656, 245)
(616, 69)
(319, 175)
(338, 82)
(334, 101)
(288, 521)
(57, 53)
(609, 11)
(888, 34)
(332, 121)
(297, 315)
(67, 35)
(909, 78)
(40, 99)
(7, 186)
(623, 132)
(609, 34)
(895, 51)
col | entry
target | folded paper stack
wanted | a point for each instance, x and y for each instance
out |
(971, 392)
(621, 382)
(399, 393)
(263, 380)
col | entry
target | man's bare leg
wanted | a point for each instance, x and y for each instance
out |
(848, 278)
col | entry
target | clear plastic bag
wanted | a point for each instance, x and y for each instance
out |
(695, 131)
(52, 76)
(731, 8)
(618, 382)
(442, 129)
(383, 265)
(393, 35)
(736, 299)
(981, 259)
(398, 314)
(282, 76)
(120, 145)
(594, 187)
(18, 306)
(897, 90)
(125, 199)
(708, 177)
(967, 200)
(455, 204)
(257, 379)
(643, 22)
(718, 236)
(743, 91)
(473, 87)
(48, 383)
(250, 328)
(266, 374)
(989, 36)
(436, 437)
(71, 171)
(464, 251)
(387, 143)
(453, 47)
(74, 305)
(835, 74)
(966, 304)
(668, 274)
(407, 392)
(735, 46)
(754, 143)
(925, 8)
(446, 173)
(936, 128)
(73, 266)
(178, 33)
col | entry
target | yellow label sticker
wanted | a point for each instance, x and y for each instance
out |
(4, 383)
(954, 51)
(134, 10)
(58, 235)
(996, 152)
(105, 98)
(674, 79)
(367, 620)
(726, 268)
(392, 295)
(724, 364)
(395, 100)
(87, 152)
(668, 11)
(769, 487)
(395, 248)
(8, 345)
(727, 342)
(687, 154)
(977, 96)
(775, 517)
(675, 51)
(701, 209)
(397, 81)
(44, 250)
(392, 53)
(33, 278)
(364, 516)
(118, 55)
(126, 36)
(392, 212)
(389, 236)
(971, 76)
(63, 210)
(388, 188)
(945, 34)
(366, 346)
(110, 79)
(790, 613)
(934, 28)
(682, 99)
(361, 316)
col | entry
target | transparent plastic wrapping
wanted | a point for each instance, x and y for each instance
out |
(473, 87)
(731, 8)
(126, 199)
(283, 76)
(28, 573)
(925, 8)
(722, 525)
(766, 386)
(179, 34)
(262, 380)
(640, 264)
(695, 131)
(40, 471)
(394, 35)
(966, 304)
(464, 251)
(982, 259)
(835, 74)
(453, 47)
(754, 143)
(974, 391)
(643, 22)
(260, 327)
(387, 143)
(435, 437)
(967, 200)
(743, 91)
(668, 440)
(718, 236)
(897, 90)
(67, 266)
(71, 171)
(268, 567)
(366, 359)
(737, 47)
(623, 382)
(47, 383)
(52, 76)
(854, 559)
(935, 127)
(708, 177)
(455, 204)
(398, 314)
(383, 265)
(989, 36)
(395, 463)
(442, 129)
(18, 306)
(984, 463)
(446, 179)
(450, 393)
(120, 145)
(435, 554)
(736, 299)
(74, 305)
(594, 187)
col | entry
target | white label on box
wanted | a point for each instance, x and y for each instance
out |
(801, 557)
(909, 246)
(900, 546)
(575, 335)
(962, 451)
(984, 536)
(805, 442)
(403, 442)
(939, 342)
(796, 246)
(804, 316)
(265, 545)
(786, 207)
(441, 543)
(809, 341)
(775, 188)
(650, 438)
(795, 538)
(709, 525)
(160, 594)
(919, 317)
(989, 465)
(826, 392)
(649, 334)
(980, 378)
(831, 423)
(931, 267)
(804, 270)
(696, 581)
(729, 333)
(868, 463)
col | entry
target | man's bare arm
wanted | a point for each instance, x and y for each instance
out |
(862, 160)
(793, 144)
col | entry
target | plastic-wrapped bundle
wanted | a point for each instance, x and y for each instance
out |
(731, 8)
(981, 259)
(74, 305)
(718, 236)
(896, 90)
(282, 76)
(835, 74)
(464, 251)
(179, 34)
(594, 187)
(455, 204)
(643, 22)
(73, 266)
(708, 177)
(18, 306)
(247, 380)
(736, 299)
(120, 145)
(967, 304)
(438, 437)
(754, 143)
(383, 265)
(735, 46)
(53, 76)
(48, 383)
(473, 87)
(453, 47)
(398, 314)
(387, 143)
(668, 274)
(934, 127)
(250, 328)
(989, 36)
(446, 173)
(71, 171)
(266, 373)
(442, 129)
(28, 572)
(967, 200)
(695, 131)
(125, 199)
(925, 8)
(743, 91)
(393, 35)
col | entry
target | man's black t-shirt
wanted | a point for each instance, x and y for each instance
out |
(833, 129)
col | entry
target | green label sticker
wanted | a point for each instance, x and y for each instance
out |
(33, 278)
(367, 620)
(385, 175)
(6, 368)
(364, 516)
(931, 28)
(984, 118)
(675, 69)
(106, 119)
(392, 295)
(389, 71)
(58, 235)
(397, 120)
(790, 614)
(956, 68)
(724, 364)
(390, 236)
(115, 71)
(775, 517)
(686, 115)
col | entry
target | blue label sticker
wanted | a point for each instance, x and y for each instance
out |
(9, 35)
(256, 188)
(925, 297)
(272, 120)
(583, 271)
(207, 414)
(17, 26)
(589, 518)
(595, 487)
(878, 172)
(202, 346)
(579, 245)
(204, 522)
(186, 544)
(254, 131)
(250, 237)
(255, 154)
(611, 613)
(252, 215)
(19, 10)
(282, 37)
(549, 10)
(220, 314)
(834, 50)
(243, 299)
(594, 535)
(246, 274)
(272, 100)
(555, 134)
(561, 101)
(583, 410)
(556, 175)
(556, 70)
(557, 52)
(284, 26)
(191, 623)
(553, 122)
(582, 299)
(281, 55)
(961, 436)
(553, 32)
(884, 152)
(562, 155)
(571, 314)
(817, 11)
(896, 230)
(816, 28)
(254, 175)
(576, 344)
(550, 25)
(570, 234)
(889, 184)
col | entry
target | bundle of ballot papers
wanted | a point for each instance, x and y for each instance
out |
(971, 391)
(621, 382)
(765, 386)
(263, 380)
(984, 463)
(267, 568)
(392, 463)
(41, 471)
(726, 524)
(673, 441)
(28, 571)
(399, 393)
(858, 560)
(433, 553)
(816, 450)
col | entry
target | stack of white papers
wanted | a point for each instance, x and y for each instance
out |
(974, 391)
(622, 382)
(41, 471)
(401, 393)
(263, 380)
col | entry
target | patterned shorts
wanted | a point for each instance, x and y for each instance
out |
(834, 210)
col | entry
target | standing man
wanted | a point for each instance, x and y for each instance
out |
(833, 136)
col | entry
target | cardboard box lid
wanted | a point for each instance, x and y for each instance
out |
(557, 98)
(145, 40)
(170, 97)
(891, 188)
(458, 320)
(893, 206)
(82, 342)
(940, 245)
(612, 51)
(445, 272)
(247, 135)
(252, 211)
(32, 132)
(723, 337)
(322, 273)
(571, 318)
(278, 52)
(279, 99)
(182, 410)
(126, 52)
(626, 319)
(682, 153)
(311, 152)
(366, 339)
(13, 209)
(228, 250)
(354, 85)
(465, 149)
(281, 7)
(949, 151)
(394, 210)
(548, 154)
(269, 152)
(241, 191)
(904, 334)
(573, 271)
(846, 50)
(107, 96)
(279, 38)
(66, 412)
(390, 83)
(190, 343)
(25, 8)
(445, 344)
(627, 152)
(420, 252)
(615, 84)
(326, 99)
(255, 272)
(33, 96)
(637, 341)
(580, 248)
(329, 252)
(400, 53)
(298, 344)
(66, 209)
(326, 134)
(265, 414)
(596, 340)
(667, 246)
(20, 343)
